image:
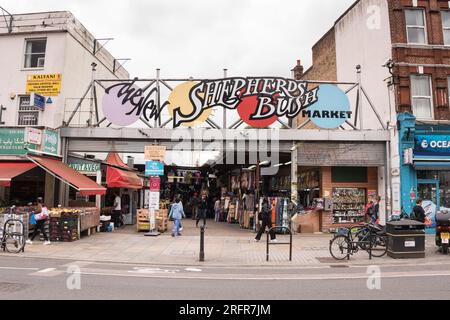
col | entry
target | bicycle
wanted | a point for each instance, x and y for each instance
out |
(369, 237)
(12, 240)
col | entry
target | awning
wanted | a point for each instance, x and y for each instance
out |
(9, 170)
(66, 174)
(120, 178)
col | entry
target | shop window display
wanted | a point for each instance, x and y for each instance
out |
(348, 205)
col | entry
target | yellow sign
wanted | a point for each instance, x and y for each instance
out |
(155, 153)
(44, 84)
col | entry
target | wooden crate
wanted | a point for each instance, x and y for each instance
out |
(143, 226)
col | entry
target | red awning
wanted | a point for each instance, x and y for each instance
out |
(63, 172)
(118, 178)
(9, 170)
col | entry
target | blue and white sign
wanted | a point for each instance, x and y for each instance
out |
(154, 168)
(432, 145)
(38, 101)
(332, 108)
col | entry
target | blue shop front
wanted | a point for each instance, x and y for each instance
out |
(425, 166)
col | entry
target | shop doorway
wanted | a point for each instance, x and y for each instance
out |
(429, 192)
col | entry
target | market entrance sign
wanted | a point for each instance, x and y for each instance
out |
(44, 84)
(259, 101)
(154, 168)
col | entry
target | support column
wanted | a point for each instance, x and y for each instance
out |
(49, 193)
(63, 187)
(98, 198)
(294, 169)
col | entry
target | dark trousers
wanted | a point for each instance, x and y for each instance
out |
(117, 218)
(201, 215)
(265, 223)
(39, 226)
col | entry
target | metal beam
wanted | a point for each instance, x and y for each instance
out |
(373, 108)
(167, 134)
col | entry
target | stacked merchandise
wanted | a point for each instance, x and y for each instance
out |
(69, 226)
(143, 220)
(55, 228)
(280, 215)
(161, 219)
(64, 224)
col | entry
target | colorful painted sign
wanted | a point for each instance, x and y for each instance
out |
(332, 108)
(154, 168)
(44, 84)
(260, 101)
(432, 145)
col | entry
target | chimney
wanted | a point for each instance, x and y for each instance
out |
(130, 161)
(297, 72)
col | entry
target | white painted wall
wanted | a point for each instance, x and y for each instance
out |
(363, 38)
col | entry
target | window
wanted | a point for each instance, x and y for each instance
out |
(28, 115)
(35, 53)
(446, 26)
(415, 26)
(422, 104)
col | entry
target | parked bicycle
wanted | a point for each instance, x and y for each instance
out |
(368, 237)
(12, 239)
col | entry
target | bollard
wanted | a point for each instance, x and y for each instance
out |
(202, 243)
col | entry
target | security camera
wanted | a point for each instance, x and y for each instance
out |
(388, 64)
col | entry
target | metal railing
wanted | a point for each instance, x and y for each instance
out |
(279, 243)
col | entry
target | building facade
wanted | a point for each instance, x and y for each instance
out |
(402, 48)
(48, 60)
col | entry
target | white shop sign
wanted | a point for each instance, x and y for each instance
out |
(154, 201)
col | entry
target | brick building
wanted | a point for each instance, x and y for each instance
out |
(403, 48)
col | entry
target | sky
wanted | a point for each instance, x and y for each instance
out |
(200, 38)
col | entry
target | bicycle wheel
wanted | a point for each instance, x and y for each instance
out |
(340, 247)
(379, 245)
(14, 242)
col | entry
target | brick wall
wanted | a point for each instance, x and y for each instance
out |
(434, 57)
(323, 67)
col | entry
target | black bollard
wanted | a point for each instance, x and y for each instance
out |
(202, 243)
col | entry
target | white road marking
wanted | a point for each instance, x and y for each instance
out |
(151, 270)
(18, 268)
(47, 270)
(193, 269)
(268, 277)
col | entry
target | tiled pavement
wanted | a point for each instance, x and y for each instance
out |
(225, 245)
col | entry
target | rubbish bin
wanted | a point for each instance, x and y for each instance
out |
(406, 239)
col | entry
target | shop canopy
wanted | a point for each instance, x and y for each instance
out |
(9, 170)
(66, 174)
(118, 174)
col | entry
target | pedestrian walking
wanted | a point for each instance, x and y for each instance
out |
(217, 210)
(176, 214)
(266, 217)
(376, 211)
(202, 208)
(41, 215)
(194, 205)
